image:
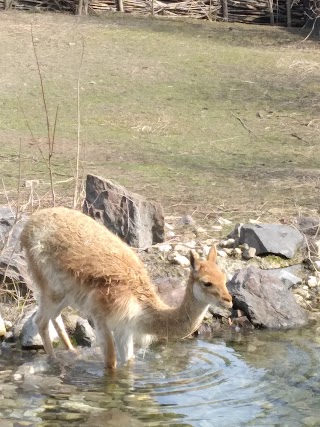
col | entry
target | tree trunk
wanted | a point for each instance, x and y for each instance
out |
(225, 10)
(288, 2)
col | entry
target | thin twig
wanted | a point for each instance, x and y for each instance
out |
(75, 196)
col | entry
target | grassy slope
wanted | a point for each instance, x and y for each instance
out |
(183, 112)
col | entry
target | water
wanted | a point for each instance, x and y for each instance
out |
(262, 379)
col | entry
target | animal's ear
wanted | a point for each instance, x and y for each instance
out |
(212, 256)
(194, 261)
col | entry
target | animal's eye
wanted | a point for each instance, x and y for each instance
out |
(207, 284)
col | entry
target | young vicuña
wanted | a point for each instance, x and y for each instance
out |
(77, 262)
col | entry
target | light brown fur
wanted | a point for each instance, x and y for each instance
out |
(76, 261)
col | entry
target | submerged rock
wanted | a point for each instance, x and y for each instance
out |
(265, 300)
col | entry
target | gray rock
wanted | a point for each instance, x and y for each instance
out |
(84, 333)
(275, 239)
(289, 279)
(13, 269)
(219, 311)
(29, 335)
(249, 253)
(134, 219)
(265, 300)
(186, 220)
(309, 225)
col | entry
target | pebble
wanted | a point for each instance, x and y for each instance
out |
(254, 221)
(2, 327)
(200, 230)
(205, 250)
(312, 281)
(223, 254)
(181, 260)
(8, 325)
(223, 221)
(237, 252)
(227, 243)
(186, 220)
(302, 292)
(171, 234)
(228, 251)
(164, 248)
(181, 248)
(216, 227)
(249, 253)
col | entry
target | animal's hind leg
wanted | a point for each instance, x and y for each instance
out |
(60, 328)
(43, 316)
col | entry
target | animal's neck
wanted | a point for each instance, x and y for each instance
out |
(166, 322)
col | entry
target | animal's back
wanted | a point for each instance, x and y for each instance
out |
(72, 242)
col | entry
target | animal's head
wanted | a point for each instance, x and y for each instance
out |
(209, 282)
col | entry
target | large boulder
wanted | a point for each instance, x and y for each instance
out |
(13, 268)
(137, 221)
(265, 300)
(277, 239)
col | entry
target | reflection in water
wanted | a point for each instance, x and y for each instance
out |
(263, 379)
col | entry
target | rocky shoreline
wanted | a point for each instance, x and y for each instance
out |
(273, 272)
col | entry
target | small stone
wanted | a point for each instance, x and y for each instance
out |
(171, 234)
(237, 252)
(317, 265)
(251, 348)
(169, 226)
(183, 249)
(205, 250)
(164, 248)
(2, 327)
(186, 220)
(223, 221)
(228, 251)
(8, 325)
(223, 254)
(227, 243)
(181, 260)
(302, 292)
(317, 244)
(312, 281)
(249, 253)
(216, 227)
(244, 246)
(191, 244)
(200, 230)
(210, 242)
(254, 221)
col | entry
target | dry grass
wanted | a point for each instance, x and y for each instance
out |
(206, 118)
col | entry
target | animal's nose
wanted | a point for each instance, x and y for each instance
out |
(228, 301)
